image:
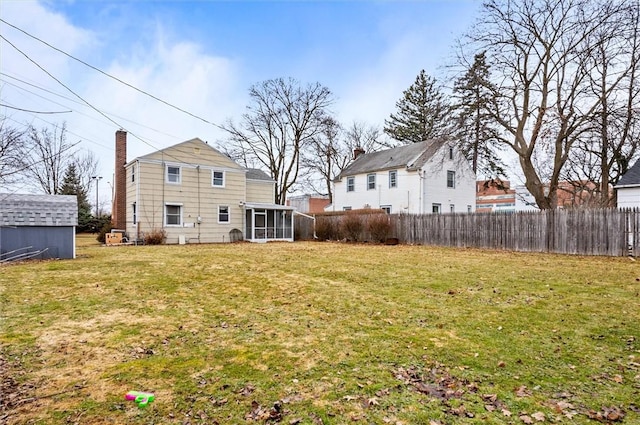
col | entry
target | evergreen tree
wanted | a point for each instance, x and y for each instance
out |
(71, 185)
(477, 136)
(422, 113)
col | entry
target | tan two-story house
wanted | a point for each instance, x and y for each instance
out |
(196, 194)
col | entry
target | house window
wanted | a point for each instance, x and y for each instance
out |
(451, 179)
(371, 181)
(173, 215)
(386, 208)
(452, 208)
(450, 153)
(133, 173)
(393, 178)
(346, 208)
(223, 214)
(217, 178)
(351, 184)
(436, 208)
(173, 174)
(135, 217)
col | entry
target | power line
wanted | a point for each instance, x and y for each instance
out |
(111, 76)
(77, 102)
(86, 102)
(70, 90)
(34, 112)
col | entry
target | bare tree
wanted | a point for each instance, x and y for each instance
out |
(282, 118)
(366, 137)
(331, 150)
(86, 165)
(12, 152)
(541, 102)
(613, 142)
(320, 157)
(49, 155)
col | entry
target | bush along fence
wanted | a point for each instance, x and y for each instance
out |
(608, 232)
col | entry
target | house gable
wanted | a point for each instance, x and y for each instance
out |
(193, 153)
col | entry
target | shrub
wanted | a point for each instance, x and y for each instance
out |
(379, 227)
(155, 237)
(102, 234)
(352, 226)
(326, 228)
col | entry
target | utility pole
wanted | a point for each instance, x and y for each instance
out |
(97, 179)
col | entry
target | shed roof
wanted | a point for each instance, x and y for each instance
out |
(18, 209)
(411, 156)
(631, 177)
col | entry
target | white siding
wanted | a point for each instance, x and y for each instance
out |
(402, 198)
(412, 194)
(629, 197)
(435, 190)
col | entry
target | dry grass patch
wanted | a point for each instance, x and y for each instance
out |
(319, 333)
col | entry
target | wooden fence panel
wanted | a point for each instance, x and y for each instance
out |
(610, 232)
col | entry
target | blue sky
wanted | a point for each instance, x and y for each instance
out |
(204, 55)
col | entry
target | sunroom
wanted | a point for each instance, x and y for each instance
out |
(268, 222)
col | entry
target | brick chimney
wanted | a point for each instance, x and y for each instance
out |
(119, 209)
(357, 152)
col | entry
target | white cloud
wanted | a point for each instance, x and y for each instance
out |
(174, 70)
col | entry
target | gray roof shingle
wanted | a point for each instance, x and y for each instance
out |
(631, 177)
(411, 156)
(38, 210)
(257, 174)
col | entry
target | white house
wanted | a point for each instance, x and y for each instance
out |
(419, 178)
(628, 188)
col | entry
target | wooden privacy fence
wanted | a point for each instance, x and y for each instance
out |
(610, 232)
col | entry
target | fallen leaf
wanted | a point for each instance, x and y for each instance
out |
(618, 379)
(248, 389)
(490, 397)
(490, 407)
(526, 419)
(371, 402)
(506, 413)
(538, 416)
(523, 391)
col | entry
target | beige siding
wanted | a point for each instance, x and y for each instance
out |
(261, 191)
(131, 197)
(195, 194)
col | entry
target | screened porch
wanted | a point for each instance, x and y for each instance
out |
(268, 222)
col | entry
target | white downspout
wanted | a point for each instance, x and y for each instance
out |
(420, 201)
(138, 206)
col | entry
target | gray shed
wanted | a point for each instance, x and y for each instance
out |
(37, 226)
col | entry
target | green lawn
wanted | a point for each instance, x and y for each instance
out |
(310, 333)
